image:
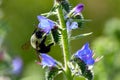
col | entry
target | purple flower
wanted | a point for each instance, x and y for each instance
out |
(17, 65)
(47, 60)
(45, 24)
(78, 8)
(85, 54)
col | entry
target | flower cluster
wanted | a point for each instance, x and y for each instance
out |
(10, 68)
(46, 25)
(73, 15)
(59, 30)
(13, 66)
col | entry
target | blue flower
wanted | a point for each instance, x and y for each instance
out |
(17, 65)
(71, 25)
(45, 24)
(78, 9)
(47, 60)
(85, 54)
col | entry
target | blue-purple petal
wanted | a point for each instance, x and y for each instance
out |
(78, 8)
(90, 61)
(45, 24)
(74, 25)
(85, 54)
(71, 25)
(17, 65)
(47, 60)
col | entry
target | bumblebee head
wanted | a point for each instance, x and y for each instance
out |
(36, 38)
(39, 34)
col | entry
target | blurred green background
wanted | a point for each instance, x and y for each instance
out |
(20, 16)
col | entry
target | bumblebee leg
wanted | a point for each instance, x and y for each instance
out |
(37, 45)
(43, 41)
(50, 45)
(37, 55)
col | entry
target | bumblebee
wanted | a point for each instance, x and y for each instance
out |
(38, 40)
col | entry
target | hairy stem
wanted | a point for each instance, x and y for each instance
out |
(65, 43)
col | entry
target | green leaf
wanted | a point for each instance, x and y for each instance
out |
(54, 8)
(79, 36)
(51, 73)
(65, 6)
(81, 20)
(85, 71)
(88, 74)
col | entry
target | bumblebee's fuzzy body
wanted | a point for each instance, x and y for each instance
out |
(37, 41)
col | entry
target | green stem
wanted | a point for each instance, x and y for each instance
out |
(65, 43)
